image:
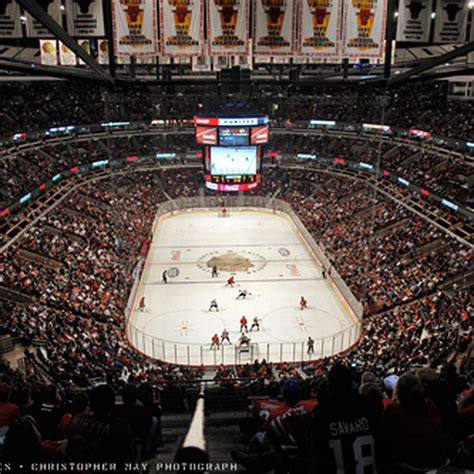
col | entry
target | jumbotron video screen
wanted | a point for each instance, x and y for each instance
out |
(234, 161)
(233, 151)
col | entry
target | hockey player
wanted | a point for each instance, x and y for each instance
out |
(242, 295)
(214, 272)
(164, 277)
(303, 303)
(255, 324)
(323, 273)
(141, 304)
(310, 344)
(215, 342)
(225, 336)
(243, 324)
(244, 340)
(214, 305)
(230, 282)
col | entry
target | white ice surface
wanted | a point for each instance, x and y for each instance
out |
(176, 325)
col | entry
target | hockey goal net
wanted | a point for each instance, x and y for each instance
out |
(224, 212)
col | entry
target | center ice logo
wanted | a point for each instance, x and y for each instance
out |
(245, 261)
(230, 262)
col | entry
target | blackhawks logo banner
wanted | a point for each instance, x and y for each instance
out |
(414, 20)
(274, 27)
(182, 23)
(451, 21)
(135, 27)
(10, 22)
(364, 29)
(85, 17)
(320, 29)
(228, 27)
(34, 28)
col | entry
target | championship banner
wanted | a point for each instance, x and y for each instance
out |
(320, 29)
(228, 27)
(103, 51)
(66, 56)
(10, 22)
(451, 21)
(135, 27)
(49, 52)
(182, 27)
(35, 29)
(274, 27)
(364, 29)
(414, 21)
(85, 18)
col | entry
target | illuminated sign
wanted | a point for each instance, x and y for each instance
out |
(419, 133)
(231, 122)
(259, 135)
(450, 204)
(115, 124)
(375, 126)
(324, 123)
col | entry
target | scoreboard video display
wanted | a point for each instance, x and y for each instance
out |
(233, 151)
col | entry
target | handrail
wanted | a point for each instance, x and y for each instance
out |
(194, 446)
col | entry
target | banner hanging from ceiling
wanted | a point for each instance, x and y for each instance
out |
(135, 27)
(66, 56)
(182, 27)
(10, 21)
(414, 21)
(228, 27)
(274, 27)
(35, 29)
(103, 51)
(49, 52)
(85, 17)
(363, 32)
(451, 21)
(320, 29)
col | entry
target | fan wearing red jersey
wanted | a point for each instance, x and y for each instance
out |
(343, 428)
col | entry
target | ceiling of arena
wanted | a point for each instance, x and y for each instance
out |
(20, 59)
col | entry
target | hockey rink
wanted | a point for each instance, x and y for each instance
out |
(268, 258)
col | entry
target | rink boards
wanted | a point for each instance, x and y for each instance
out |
(268, 258)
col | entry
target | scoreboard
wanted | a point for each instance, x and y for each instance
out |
(233, 151)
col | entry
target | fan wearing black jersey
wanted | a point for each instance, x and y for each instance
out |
(343, 428)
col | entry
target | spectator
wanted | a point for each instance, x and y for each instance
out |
(99, 436)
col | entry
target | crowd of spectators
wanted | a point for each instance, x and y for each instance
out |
(75, 267)
(78, 265)
(426, 106)
(339, 420)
